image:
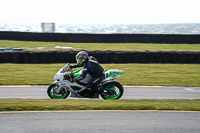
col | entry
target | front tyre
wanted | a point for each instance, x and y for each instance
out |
(52, 89)
(113, 90)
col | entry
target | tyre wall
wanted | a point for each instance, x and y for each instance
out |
(100, 38)
(103, 57)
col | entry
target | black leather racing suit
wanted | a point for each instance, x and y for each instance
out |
(91, 66)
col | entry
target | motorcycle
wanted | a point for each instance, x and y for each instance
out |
(62, 87)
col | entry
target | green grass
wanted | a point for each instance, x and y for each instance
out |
(135, 74)
(80, 104)
(102, 46)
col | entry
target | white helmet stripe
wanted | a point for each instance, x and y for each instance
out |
(92, 61)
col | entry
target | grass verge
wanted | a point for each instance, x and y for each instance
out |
(134, 74)
(76, 104)
(102, 46)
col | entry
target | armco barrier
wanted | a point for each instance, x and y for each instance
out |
(100, 38)
(102, 56)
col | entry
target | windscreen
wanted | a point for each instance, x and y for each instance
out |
(66, 67)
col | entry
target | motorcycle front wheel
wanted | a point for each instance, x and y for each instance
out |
(52, 89)
(113, 90)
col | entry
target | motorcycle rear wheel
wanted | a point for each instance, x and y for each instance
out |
(52, 89)
(114, 90)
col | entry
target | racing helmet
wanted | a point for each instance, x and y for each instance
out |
(81, 57)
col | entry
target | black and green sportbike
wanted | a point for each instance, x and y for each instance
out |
(62, 87)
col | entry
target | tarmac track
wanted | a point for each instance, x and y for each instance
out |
(130, 92)
(102, 121)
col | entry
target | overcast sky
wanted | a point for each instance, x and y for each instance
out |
(100, 11)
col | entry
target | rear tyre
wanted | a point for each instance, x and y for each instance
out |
(52, 89)
(112, 90)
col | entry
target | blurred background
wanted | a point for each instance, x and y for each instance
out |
(101, 16)
(43, 33)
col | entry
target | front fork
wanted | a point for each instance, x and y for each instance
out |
(59, 86)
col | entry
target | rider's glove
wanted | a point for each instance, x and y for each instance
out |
(73, 80)
(72, 66)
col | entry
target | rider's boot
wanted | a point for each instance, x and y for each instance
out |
(101, 91)
(92, 93)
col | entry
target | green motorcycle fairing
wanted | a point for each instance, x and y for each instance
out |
(112, 73)
(77, 73)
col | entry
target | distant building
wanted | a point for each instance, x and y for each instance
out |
(48, 27)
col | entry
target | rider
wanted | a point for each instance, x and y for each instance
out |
(91, 66)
